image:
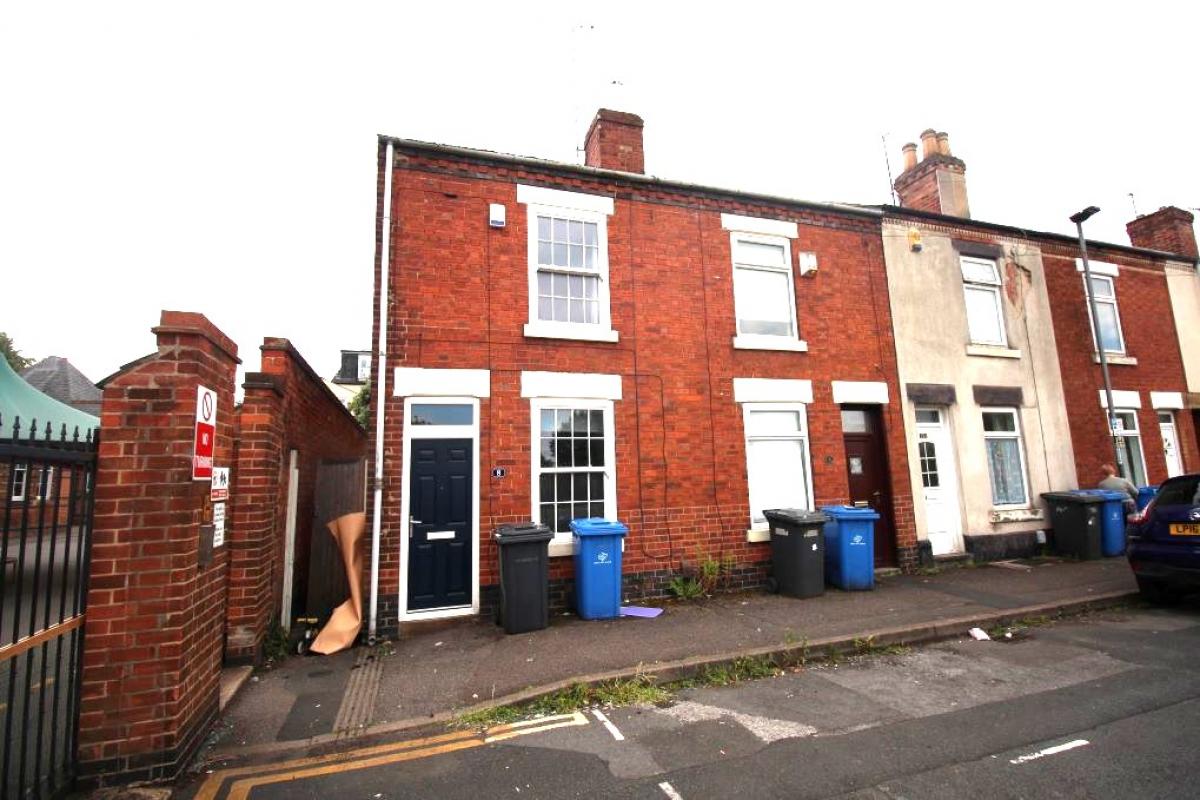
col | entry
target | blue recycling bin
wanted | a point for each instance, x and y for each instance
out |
(598, 567)
(850, 547)
(1112, 520)
(1145, 495)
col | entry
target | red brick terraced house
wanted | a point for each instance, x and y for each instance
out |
(1145, 331)
(562, 341)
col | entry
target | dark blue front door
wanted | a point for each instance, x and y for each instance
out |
(439, 545)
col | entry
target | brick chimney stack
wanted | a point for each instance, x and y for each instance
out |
(614, 141)
(1169, 229)
(936, 183)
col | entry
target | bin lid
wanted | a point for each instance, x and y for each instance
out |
(794, 516)
(598, 526)
(1144, 490)
(1105, 494)
(1076, 496)
(523, 532)
(850, 512)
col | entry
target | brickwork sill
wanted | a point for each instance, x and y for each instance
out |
(1116, 359)
(758, 535)
(749, 342)
(586, 333)
(991, 351)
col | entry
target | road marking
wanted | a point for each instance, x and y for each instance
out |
(1049, 751)
(616, 734)
(669, 791)
(765, 729)
(250, 777)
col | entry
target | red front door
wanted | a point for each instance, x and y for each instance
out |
(867, 471)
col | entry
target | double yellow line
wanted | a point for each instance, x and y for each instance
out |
(245, 779)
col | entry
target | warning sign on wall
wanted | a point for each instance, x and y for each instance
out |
(206, 434)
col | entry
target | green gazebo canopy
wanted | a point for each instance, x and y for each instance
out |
(19, 400)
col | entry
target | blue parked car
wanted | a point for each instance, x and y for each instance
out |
(1164, 540)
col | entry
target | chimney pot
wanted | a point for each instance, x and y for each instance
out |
(910, 155)
(929, 143)
(614, 141)
(943, 140)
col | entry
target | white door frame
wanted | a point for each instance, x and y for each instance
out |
(939, 433)
(412, 432)
(289, 539)
(1169, 428)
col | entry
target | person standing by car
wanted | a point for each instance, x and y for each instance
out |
(1115, 483)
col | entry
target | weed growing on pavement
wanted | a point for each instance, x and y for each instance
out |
(276, 644)
(488, 717)
(685, 587)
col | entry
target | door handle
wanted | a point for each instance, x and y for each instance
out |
(412, 522)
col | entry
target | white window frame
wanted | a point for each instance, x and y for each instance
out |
(1134, 433)
(762, 341)
(577, 207)
(23, 469)
(1019, 435)
(563, 543)
(45, 484)
(995, 289)
(759, 531)
(1100, 301)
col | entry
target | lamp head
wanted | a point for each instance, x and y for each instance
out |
(1083, 215)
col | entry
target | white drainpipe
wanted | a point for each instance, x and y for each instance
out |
(379, 393)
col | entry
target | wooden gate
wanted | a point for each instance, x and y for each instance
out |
(46, 485)
(339, 490)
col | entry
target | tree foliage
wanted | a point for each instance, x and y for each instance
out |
(360, 405)
(11, 354)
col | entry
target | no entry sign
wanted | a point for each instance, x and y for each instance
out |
(206, 434)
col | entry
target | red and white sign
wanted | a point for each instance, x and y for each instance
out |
(206, 434)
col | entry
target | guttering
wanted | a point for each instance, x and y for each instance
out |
(379, 393)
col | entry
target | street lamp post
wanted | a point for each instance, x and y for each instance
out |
(1079, 219)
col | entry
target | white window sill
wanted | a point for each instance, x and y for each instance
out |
(993, 351)
(758, 535)
(561, 547)
(753, 342)
(1116, 358)
(1023, 514)
(568, 331)
(581, 332)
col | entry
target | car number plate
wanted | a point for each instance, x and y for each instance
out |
(1185, 528)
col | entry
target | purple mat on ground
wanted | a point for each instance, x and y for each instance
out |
(640, 611)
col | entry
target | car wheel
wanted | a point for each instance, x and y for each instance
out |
(1155, 591)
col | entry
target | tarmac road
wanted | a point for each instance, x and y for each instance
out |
(1107, 706)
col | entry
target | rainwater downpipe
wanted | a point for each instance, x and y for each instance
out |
(379, 395)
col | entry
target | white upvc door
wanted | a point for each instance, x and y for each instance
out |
(939, 481)
(1170, 441)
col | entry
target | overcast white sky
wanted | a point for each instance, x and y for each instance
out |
(221, 159)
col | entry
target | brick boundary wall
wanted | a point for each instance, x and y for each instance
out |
(155, 619)
(286, 407)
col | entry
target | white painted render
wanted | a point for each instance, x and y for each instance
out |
(420, 381)
(772, 390)
(1183, 284)
(933, 346)
(587, 385)
(769, 227)
(1166, 400)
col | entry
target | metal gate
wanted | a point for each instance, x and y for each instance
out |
(46, 484)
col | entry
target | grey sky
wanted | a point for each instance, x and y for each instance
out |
(222, 158)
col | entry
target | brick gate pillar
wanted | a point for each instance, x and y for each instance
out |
(155, 617)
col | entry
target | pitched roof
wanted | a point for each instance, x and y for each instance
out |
(57, 377)
(20, 400)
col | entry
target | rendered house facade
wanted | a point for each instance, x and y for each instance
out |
(566, 341)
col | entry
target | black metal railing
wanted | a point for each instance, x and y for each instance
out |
(46, 487)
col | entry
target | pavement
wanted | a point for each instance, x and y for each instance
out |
(309, 704)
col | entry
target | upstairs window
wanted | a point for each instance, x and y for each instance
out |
(20, 477)
(982, 296)
(568, 264)
(763, 293)
(1108, 331)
